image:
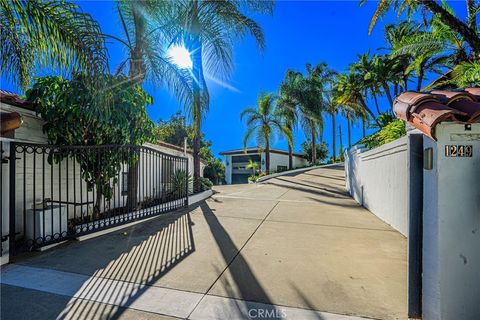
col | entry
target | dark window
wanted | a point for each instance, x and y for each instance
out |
(281, 168)
(246, 158)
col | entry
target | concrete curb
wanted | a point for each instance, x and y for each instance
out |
(192, 199)
(270, 176)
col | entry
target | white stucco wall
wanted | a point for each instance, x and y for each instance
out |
(228, 169)
(31, 128)
(377, 179)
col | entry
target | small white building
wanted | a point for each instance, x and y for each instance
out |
(237, 160)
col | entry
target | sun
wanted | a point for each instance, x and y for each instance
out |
(180, 56)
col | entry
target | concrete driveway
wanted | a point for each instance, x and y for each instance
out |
(293, 247)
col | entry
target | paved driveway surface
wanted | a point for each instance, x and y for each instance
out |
(291, 244)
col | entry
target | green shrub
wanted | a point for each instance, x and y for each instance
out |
(392, 131)
(205, 184)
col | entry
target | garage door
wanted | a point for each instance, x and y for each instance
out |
(239, 178)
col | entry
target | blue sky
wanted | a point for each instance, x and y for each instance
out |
(297, 33)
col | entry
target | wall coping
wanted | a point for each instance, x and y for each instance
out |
(283, 173)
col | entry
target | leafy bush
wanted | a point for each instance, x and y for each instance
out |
(383, 120)
(180, 178)
(254, 178)
(392, 131)
(214, 170)
(205, 184)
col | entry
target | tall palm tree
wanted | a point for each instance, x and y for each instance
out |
(147, 60)
(264, 124)
(54, 34)
(309, 94)
(332, 108)
(209, 31)
(287, 108)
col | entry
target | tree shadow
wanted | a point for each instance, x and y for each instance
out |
(246, 285)
(310, 189)
(325, 176)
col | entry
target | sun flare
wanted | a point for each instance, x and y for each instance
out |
(180, 56)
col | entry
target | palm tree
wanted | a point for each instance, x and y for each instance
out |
(466, 29)
(352, 114)
(364, 66)
(265, 124)
(332, 108)
(252, 165)
(209, 28)
(54, 34)
(147, 59)
(350, 87)
(308, 92)
(287, 108)
(426, 52)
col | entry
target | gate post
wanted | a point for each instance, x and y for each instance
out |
(5, 202)
(11, 232)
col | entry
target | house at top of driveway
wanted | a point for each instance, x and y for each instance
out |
(237, 160)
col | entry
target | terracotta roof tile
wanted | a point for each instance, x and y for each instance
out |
(14, 99)
(9, 121)
(425, 110)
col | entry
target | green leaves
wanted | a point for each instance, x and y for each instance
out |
(392, 131)
(75, 114)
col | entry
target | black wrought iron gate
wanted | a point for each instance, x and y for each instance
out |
(60, 192)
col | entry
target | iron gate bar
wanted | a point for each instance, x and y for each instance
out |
(11, 195)
(101, 181)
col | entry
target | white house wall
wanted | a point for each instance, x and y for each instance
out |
(31, 128)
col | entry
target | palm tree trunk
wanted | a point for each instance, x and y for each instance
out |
(419, 81)
(290, 157)
(290, 149)
(369, 111)
(341, 143)
(349, 133)
(376, 103)
(267, 156)
(137, 75)
(334, 137)
(389, 95)
(197, 70)
(314, 146)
